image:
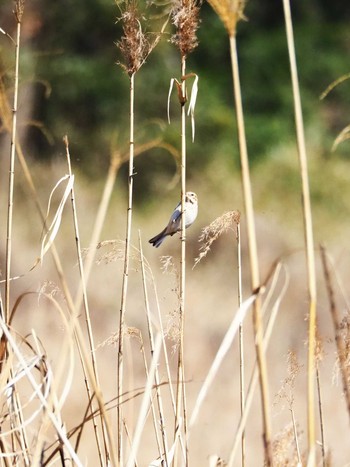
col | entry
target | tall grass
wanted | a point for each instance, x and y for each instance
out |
(184, 15)
(308, 232)
(156, 411)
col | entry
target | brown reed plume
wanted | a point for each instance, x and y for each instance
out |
(135, 45)
(185, 18)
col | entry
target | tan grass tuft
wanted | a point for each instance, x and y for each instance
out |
(288, 385)
(214, 230)
(283, 447)
(230, 12)
(184, 16)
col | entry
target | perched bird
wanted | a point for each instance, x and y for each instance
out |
(174, 224)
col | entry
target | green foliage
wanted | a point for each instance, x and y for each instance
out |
(75, 53)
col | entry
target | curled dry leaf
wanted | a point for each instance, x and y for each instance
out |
(52, 231)
(183, 99)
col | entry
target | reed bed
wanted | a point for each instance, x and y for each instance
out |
(115, 381)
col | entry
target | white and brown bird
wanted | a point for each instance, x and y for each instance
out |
(174, 224)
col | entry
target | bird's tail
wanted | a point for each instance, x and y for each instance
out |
(158, 239)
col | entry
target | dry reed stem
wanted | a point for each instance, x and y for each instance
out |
(57, 262)
(320, 411)
(145, 402)
(116, 160)
(253, 253)
(180, 377)
(135, 48)
(137, 334)
(241, 335)
(87, 315)
(255, 374)
(37, 389)
(184, 16)
(341, 348)
(151, 343)
(308, 233)
(230, 12)
(19, 7)
(166, 356)
(222, 351)
(208, 236)
(125, 272)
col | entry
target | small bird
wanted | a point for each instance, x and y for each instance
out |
(174, 224)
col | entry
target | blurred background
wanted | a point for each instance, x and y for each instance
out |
(71, 83)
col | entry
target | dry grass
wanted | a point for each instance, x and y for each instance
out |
(58, 391)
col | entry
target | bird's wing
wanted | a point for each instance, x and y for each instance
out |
(174, 221)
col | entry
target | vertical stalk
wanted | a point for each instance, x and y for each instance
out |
(308, 233)
(125, 273)
(18, 14)
(180, 391)
(6, 312)
(253, 255)
(241, 341)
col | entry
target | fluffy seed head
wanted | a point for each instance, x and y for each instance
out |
(230, 12)
(184, 16)
(134, 44)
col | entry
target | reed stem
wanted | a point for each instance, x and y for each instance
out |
(125, 273)
(18, 15)
(308, 233)
(180, 392)
(253, 254)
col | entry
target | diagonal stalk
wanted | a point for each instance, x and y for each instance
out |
(253, 254)
(125, 274)
(87, 318)
(308, 233)
(157, 379)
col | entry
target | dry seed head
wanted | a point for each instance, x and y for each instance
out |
(287, 390)
(214, 230)
(19, 9)
(284, 448)
(230, 12)
(184, 16)
(134, 44)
